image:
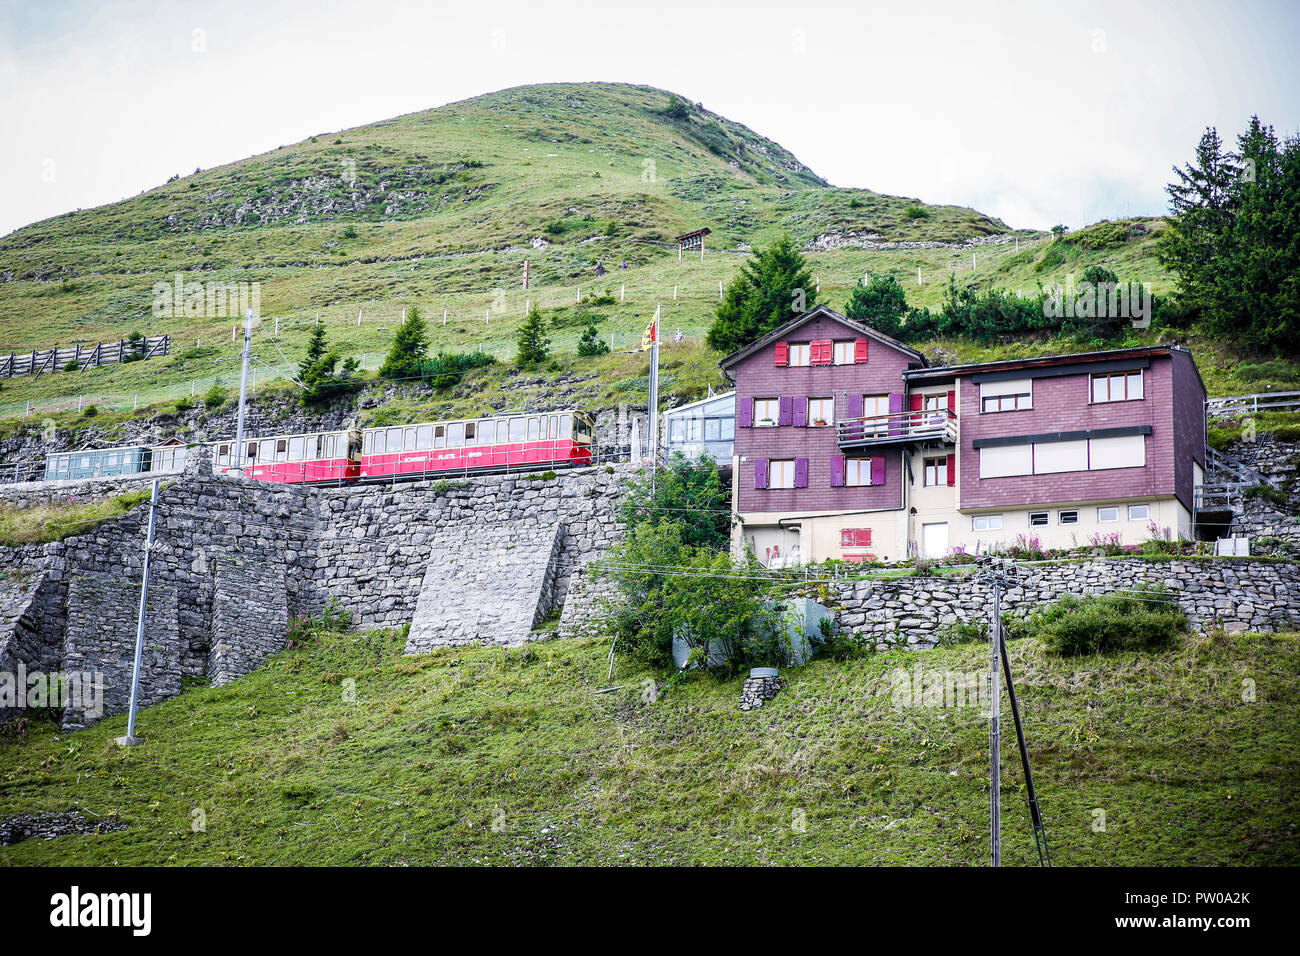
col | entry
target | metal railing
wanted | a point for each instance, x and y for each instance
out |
(939, 424)
(1260, 401)
(1219, 466)
(1226, 496)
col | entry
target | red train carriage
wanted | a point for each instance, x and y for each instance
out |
(507, 443)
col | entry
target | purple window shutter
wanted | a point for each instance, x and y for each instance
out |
(801, 472)
(878, 470)
(744, 413)
(895, 408)
(837, 471)
(760, 473)
(786, 410)
(855, 406)
(800, 411)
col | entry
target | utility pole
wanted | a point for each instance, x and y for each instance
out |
(995, 730)
(243, 395)
(131, 740)
(652, 439)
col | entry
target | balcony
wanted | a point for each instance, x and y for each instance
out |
(898, 428)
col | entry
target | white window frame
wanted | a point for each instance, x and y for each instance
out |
(826, 406)
(990, 522)
(1126, 381)
(774, 404)
(873, 405)
(1068, 516)
(1011, 395)
(937, 463)
(1142, 517)
(800, 354)
(778, 470)
(857, 472)
(845, 352)
(1045, 515)
(1107, 509)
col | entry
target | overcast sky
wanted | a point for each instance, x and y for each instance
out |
(1034, 112)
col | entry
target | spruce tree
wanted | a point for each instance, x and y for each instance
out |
(591, 343)
(410, 348)
(315, 350)
(881, 304)
(770, 289)
(533, 343)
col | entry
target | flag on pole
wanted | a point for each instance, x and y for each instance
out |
(651, 334)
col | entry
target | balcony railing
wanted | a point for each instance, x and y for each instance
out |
(939, 424)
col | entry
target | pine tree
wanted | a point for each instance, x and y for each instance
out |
(315, 350)
(770, 289)
(881, 304)
(591, 343)
(410, 348)
(319, 373)
(533, 343)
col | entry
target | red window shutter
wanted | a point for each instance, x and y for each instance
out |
(952, 402)
(760, 473)
(916, 402)
(846, 537)
(859, 351)
(864, 537)
(822, 352)
(800, 411)
(801, 472)
(878, 470)
(837, 471)
(952, 470)
(745, 413)
(785, 410)
(782, 353)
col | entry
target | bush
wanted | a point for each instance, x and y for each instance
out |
(214, 398)
(90, 411)
(445, 369)
(1075, 626)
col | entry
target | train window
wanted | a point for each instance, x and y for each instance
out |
(502, 429)
(252, 451)
(223, 454)
(409, 439)
(566, 426)
(266, 449)
(486, 432)
(295, 449)
(555, 426)
(424, 438)
(394, 439)
(456, 434)
(440, 436)
(379, 442)
(329, 446)
(518, 429)
(281, 449)
(532, 429)
(471, 429)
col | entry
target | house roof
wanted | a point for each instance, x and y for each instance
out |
(817, 312)
(1046, 361)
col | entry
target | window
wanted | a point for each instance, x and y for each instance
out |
(266, 450)
(1051, 458)
(1139, 512)
(503, 432)
(936, 471)
(223, 454)
(857, 471)
(821, 411)
(282, 449)
(518, 429)
(800, 353)
(1067, 517)
(1037, 518)
(455, 434)
(844, 353)
(780, 474)
(1001, 461)
(424, 438)
(295, 449)
(470, 429)
(408, 439)
(394, 439)
(1128, 451)
(855, 537)
(767, 411)
(328, 447)
(986, 523)
(566, 426)
(1117, 386)
(873, 405)
(1007, 396)
(1107, 514)
(532, 429)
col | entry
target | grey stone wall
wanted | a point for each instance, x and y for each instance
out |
(250, 617)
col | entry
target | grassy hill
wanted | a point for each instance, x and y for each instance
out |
(440, 209)
(483, 756)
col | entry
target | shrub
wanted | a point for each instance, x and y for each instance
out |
(184, 403)
(90, 411)
(445, 369)
(916, 212)
(214, 398)
(1075, 626)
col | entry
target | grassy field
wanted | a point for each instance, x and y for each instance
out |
(483, 756)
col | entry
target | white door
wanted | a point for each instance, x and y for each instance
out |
(934, 540)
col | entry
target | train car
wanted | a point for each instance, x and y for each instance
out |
(292, 459)
(112, 462)
(503, 443)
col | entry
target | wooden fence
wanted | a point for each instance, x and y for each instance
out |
(39, 361)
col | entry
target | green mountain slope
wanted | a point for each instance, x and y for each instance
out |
(441, 209)
(481, 756)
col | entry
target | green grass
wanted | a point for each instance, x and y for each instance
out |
(483, 756)
(39, 524)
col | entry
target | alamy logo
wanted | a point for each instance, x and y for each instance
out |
(1099, 300)
(81, 690)
(209, 300)
(75, 909)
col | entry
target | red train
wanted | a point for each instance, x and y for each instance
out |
(507, 443)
